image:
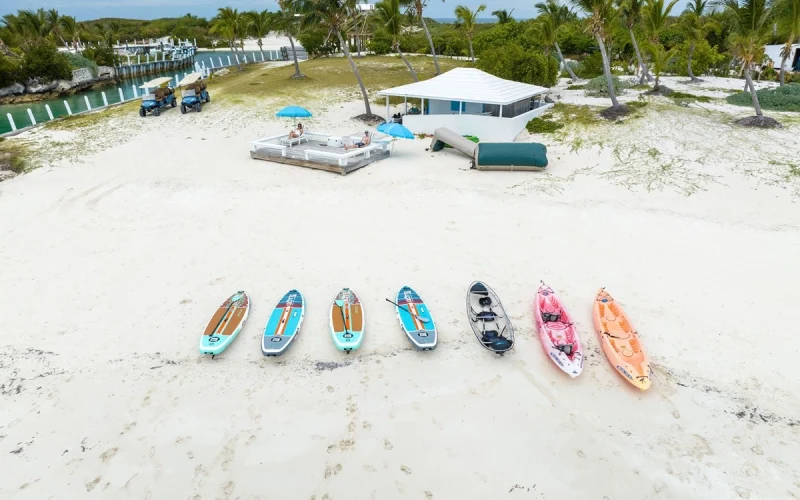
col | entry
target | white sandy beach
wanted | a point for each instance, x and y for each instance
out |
(114, 255)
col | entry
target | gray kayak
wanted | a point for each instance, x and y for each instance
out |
(488, 319)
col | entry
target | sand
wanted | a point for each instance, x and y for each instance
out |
(115, 256)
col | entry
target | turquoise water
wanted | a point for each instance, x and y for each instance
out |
(77, 102)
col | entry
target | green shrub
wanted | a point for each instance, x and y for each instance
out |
(543, 125)
(704, 58)
(102, 55)
(42, 60)
(78, 61)
(9, 71)
(683, 96)
(598, 87)
(577, 87)
(314, 41)
(381, 43)
(590, 66)
(512, 62)
(574, 40)
(786, 98)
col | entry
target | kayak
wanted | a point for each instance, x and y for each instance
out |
(488, 319)
(620, 341)
(557, 332)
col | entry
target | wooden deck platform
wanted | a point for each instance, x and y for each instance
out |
(318, 155)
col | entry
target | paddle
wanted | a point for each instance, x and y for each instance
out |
(424, 320)
(340, 304)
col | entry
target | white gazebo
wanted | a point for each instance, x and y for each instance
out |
(471, 102)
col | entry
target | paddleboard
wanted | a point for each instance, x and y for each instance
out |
(557, 332)
(226, 324)
(620, 341)
(283, 324)
(347, 321)
(421, 334)
(488, 319)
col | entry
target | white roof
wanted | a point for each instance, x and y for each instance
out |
(190, 78)
(467, 85)
(156, 82)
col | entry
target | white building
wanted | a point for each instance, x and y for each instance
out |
(792, 62)
(471, 102)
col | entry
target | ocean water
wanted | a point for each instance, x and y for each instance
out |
(451, 20)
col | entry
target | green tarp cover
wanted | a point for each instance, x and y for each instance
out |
(519, 154)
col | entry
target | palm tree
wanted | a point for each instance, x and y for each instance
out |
(332, 15)
(750, 30)
(34, 24)
(789, 18)
(467, 19)
(503, 16)
(416, 7)
(659, 59)
(655, 17)
(554, 16)
(631, 12)
(113, 28)
(389, 17)
(696, 27)
(601, 16)
(70, 29)
(259, 25)
(230, 24)
(287, 22)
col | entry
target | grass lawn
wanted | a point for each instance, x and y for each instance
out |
(324, 76)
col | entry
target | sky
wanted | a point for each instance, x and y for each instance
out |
(151, 9)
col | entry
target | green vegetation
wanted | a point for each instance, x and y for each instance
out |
(577, 87)
(515, 63)
(685, 97)
(14, 156)
(596, 87)
(582, 116)
(543, 125)
(786, 98)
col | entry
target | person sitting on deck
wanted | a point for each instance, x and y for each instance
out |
(364, 142)
(294, 134)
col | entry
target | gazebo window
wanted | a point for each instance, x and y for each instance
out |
(454, 106)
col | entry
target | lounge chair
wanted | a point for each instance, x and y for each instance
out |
(291, 141)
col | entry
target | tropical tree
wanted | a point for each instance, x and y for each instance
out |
(70, 29)
(655, 17)
(287, 21)
(230, 25)
(659, 60)
(54, 23)
(601, 16)
(389, 18)
(750, 30)
(416, 7)
(696, 26)
(34, 23)
(631, 13)
(789, 18)
(332, 15)
(552, 17)
(259, 25)
(467, 19)
(503, 16)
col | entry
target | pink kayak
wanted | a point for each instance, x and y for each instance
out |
(557, 332)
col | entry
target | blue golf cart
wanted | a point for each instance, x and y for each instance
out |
(160, 95)
(193, 92)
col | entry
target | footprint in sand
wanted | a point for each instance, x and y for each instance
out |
(108, 454)
(428, 495)
(330, 388)
(366, 425)
(370, 468)
(387, 445)
(91, 484)
(351, 427)
(405, 469)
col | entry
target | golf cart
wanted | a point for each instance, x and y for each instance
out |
(162, 96)
(193, 92)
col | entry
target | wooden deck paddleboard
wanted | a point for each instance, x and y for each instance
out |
(421, 334)
(347, 321)
(226, 324)
(283, 324)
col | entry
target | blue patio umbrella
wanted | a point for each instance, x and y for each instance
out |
(395, 130)
(294, 112)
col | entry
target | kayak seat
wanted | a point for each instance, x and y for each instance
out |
(486, 316)
(479, 289)
(551, 317)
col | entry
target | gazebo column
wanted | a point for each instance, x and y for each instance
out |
(422, 106)
(387, 108)
(405, 103)
(460, 106)
(501, 111)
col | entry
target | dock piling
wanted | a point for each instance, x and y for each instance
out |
(11, 122)
(105, 99)
(121, 95)
(86, 100)
(49, 111)
(69, 110)
(30, 113)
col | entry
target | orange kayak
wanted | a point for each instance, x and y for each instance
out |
(620, 341)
